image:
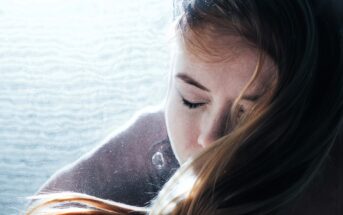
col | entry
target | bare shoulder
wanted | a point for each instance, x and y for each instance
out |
(116, 161)
(134, 139)
(145, 127)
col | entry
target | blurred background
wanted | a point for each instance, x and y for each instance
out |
(71, 73)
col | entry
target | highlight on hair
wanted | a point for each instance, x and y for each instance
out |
(271, 155)
(69, 203)
(270, 159)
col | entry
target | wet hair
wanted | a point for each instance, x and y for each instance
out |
(271, 157)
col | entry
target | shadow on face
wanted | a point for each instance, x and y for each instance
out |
(203, 91)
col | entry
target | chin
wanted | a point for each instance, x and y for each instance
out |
(186, 156)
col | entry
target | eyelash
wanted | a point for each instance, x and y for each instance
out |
(191, 105)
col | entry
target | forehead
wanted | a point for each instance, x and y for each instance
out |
(225, 67)
(211, 45)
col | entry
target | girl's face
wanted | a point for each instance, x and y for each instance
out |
(202, 92)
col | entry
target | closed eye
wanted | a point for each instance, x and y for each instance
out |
(191, 105)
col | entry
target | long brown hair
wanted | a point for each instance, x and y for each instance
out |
(274, 153)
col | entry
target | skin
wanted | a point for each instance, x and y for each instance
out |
(211, 85)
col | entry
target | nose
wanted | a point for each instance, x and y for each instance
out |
(213, 128)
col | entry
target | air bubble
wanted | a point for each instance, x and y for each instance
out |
(158, 160)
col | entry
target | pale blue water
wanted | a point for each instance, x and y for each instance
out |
(71, 72)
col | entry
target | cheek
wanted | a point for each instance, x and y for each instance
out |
(181, 125)
(177, 118)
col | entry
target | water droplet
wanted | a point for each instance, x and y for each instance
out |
(158, 160)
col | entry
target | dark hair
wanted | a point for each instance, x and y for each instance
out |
(286, 148)
(273, 156)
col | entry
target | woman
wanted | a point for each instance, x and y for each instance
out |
(253, 113)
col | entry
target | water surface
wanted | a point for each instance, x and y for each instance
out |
(72, 72)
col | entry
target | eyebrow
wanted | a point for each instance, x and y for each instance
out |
(191, 81)
(252, 98)
(184, 77)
